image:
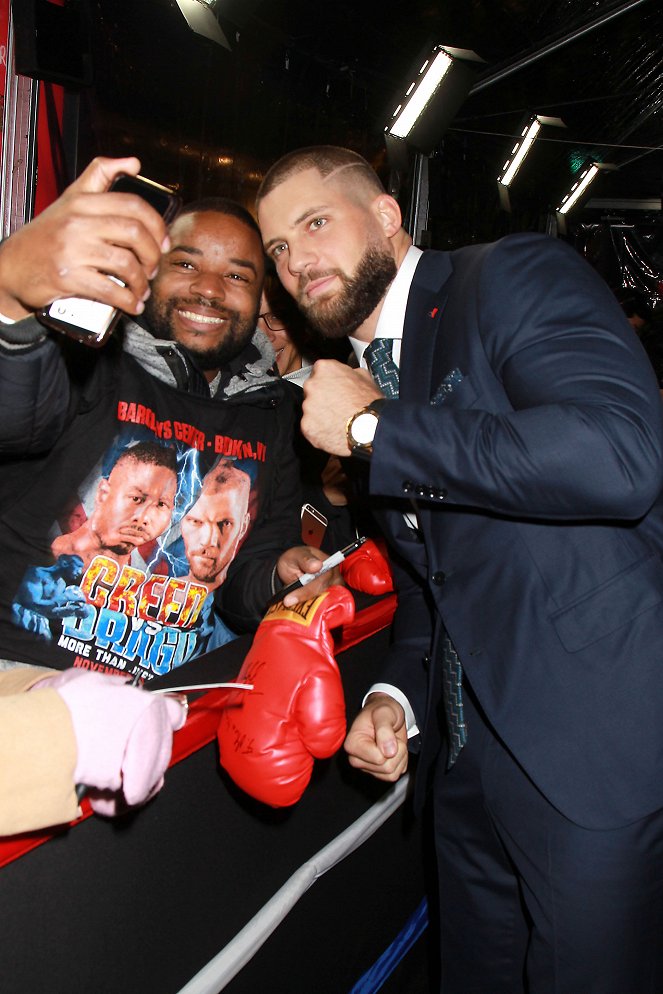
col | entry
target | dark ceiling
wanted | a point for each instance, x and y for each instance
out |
(211, 120)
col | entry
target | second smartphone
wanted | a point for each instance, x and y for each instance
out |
(90, 321)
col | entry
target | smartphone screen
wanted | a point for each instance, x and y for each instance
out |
(90, 321)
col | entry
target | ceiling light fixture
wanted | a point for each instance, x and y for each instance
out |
(528, 135)
(433, 97)
(419, 93)
(201, 17)
(587, 176)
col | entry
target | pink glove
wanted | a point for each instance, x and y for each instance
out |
(296, 710)
(368, 570)
(124, 736)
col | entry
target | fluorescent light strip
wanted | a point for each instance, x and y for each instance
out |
(578, 190)
(436, 71)
(511, 166)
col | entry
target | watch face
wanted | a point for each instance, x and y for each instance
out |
(363, 428)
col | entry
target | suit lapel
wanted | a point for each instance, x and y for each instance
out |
(426, 302)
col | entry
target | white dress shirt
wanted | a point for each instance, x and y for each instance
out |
(390, 325)
(392, 316)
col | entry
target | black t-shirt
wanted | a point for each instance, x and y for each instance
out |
(117, 545)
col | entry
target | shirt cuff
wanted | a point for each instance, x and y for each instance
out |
(400, 698)
(20, 335)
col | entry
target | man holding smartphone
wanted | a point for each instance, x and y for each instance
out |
(186, 370)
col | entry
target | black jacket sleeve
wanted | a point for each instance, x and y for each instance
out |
(34, 389)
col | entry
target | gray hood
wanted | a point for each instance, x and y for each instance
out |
(161, 358)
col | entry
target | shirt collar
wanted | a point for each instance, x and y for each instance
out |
(392, 316)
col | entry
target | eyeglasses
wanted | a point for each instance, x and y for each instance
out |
(272, 322)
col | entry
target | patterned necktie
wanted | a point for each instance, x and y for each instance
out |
(452, 680)
(382, 366)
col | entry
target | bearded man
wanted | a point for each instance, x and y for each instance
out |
(512, 431)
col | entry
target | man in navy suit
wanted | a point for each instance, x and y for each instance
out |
(521, 468)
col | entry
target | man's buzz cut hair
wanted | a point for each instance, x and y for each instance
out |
(151, 453)
(226, 474)
(327, 159)
(221, 205)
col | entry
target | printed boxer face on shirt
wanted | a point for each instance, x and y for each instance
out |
(134, 504)
(214, 526)
(329, 248)
(205, 295)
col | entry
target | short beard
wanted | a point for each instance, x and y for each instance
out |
(207, 577)
(238, 334)
(121, 549)
(361, 294)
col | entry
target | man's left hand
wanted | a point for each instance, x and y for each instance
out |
(305, 559)
(332, 394)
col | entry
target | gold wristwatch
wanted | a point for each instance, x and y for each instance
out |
(361, 427)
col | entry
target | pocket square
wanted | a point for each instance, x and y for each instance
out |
(447, 386)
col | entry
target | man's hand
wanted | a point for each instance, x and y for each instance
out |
(377, 741)
(86, 233)
(332, 394)
(305, 559)
(335, 483)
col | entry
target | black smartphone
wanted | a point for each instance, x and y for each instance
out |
(90, 321)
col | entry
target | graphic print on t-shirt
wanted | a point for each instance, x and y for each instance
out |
(139, 549)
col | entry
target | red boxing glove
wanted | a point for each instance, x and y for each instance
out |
(368, 570)
(296, 710)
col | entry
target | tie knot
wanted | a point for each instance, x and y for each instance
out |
(378, 356)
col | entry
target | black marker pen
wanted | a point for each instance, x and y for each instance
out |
(335, 559)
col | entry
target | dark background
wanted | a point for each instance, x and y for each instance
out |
(210, 120)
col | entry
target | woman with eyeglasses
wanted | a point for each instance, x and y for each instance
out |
(286, 329)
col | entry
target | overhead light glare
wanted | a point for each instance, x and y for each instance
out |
(528, 136)
(435, 88)
(575, 193)
(437, 70)
(529, 133)
(200, 15)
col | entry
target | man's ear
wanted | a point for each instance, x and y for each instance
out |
(388, 214)
(245, 524)
(102, 490)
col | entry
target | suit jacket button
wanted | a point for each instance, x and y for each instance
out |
(408, 487)
(441, 494)
(438, 578)
(421, 491)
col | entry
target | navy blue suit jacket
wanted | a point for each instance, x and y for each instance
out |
(529, 432)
